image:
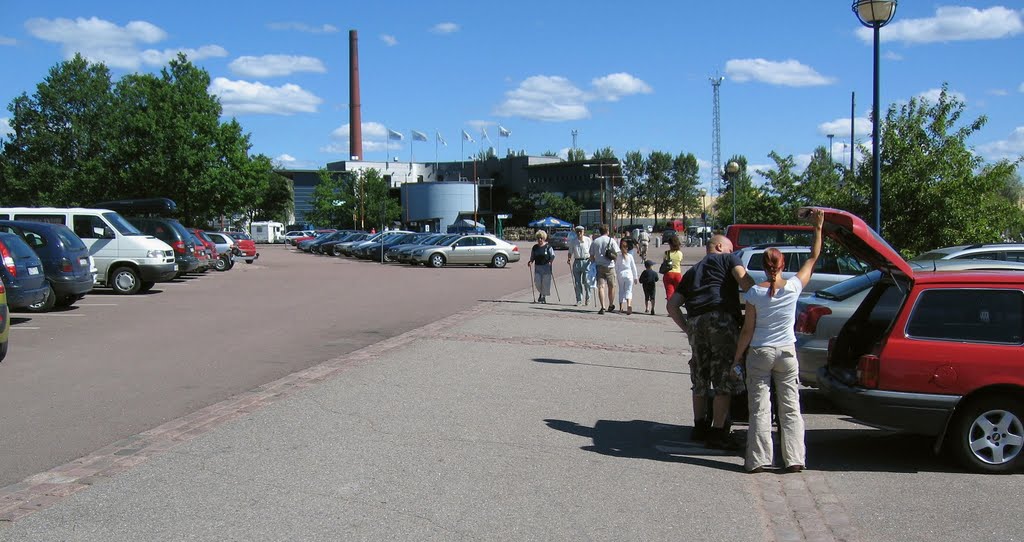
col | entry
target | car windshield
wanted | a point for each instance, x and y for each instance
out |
(849, 287)
(120, 224)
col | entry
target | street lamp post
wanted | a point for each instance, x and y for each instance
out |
(703, 217)
(875, 14)
(830, 136)
(732, 169)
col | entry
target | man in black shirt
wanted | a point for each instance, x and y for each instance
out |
(709, 290)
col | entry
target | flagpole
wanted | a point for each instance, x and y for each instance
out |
(412, 143)
(435, 153)
(462, 150)
(387, 146)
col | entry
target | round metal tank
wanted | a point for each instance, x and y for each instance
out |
(439, 202)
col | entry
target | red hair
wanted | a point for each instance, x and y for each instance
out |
(773, 261)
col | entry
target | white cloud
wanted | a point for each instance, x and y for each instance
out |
(841, 127)
(116, 46)
(303, 27)
(374, 139)
(612, 87)
(889, 55)
(243, 97)
(159, 58)
(932, 95)
(98, 40)
(790, 73)
(554, 98)
(287, 161)
(952, 23)
(389, 40)
(285, 158)
(547, 98)
(5, 127)
(1021, 87)
(999, 92)
(444, 28)
(275, 65)
(1010, 148)
(4, 40)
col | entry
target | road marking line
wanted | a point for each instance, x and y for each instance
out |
(23, 327)
(96, 304)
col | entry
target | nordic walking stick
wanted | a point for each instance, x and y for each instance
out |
(555, 282)
(533, 296)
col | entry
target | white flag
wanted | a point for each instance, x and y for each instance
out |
(467, 137)
(483, 132)
(441, 139)
(418, 136)
(503, 132)
(397, 136)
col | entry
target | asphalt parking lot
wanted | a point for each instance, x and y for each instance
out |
(111, 366)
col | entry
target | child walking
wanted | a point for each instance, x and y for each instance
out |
(648, 279)
(625, 270)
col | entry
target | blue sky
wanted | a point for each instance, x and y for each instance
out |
(623, 75)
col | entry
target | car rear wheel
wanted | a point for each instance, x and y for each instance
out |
(68, 300)
(221, 264)
(47, 304)
(988, 435)
(436, 261)
(125, 281)
(499, 261)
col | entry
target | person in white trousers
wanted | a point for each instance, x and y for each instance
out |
(768, 331)
(625, 270)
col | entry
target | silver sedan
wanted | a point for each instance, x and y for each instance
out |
(469, 250)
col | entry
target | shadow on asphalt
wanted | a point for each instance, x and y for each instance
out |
(642, 439)
(814, 402)
(554, 361)
(873, 450)
(111, 293)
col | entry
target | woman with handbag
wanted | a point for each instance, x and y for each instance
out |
(672, 267)
(542, 255)
(625, 270)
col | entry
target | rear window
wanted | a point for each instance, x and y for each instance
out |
(239, 236)
(969, 315)
(763, 236)
(69, 239)
(850, 287)
(16, 245)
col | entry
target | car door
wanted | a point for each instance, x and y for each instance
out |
(485, 250)
(99, 237)
(462, 250)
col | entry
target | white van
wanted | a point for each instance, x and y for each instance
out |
(267, 232)
(127, 260)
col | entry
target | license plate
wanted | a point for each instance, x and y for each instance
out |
(84, 262)
(33, 270)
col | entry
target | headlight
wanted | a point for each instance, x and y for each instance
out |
(155, 254)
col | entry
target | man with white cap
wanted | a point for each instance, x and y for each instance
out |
(579, 258)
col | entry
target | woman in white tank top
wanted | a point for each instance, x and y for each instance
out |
(768, 331)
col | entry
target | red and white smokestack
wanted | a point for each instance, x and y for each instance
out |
(355, 122)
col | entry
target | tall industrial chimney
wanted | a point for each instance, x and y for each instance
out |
(355, 122)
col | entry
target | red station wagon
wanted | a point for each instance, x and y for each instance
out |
(933, 353)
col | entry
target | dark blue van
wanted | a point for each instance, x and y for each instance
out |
(65, 260)
(22, 272)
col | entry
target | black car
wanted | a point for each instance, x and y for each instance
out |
(22, 272)
(174, 234)
(65, 260)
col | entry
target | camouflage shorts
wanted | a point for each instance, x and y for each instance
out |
(713, 339)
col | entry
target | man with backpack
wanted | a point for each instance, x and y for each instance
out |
(603, 252)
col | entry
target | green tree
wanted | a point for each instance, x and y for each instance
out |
(576, 155)
(633, 173)
(59, 151)
(935, 190)
(549, 204)
(658, 187)
(335, 199)
(606, 153)
(551, 154)
(685, 195)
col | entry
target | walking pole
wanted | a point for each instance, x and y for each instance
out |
(555, 282)
(533, 296)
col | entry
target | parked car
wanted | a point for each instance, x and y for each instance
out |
(831, 268)
(291, 236)
(371, 249)
(246, 246)
(226, 250)
(559, 240)
(202, 253)
(1007, 252)
(819, 317)
(936, 354)
(398, 252)
(469, 249)
(65, 260)
(126, 259)
(310, 236)
(174, 234)
(404, 255)
(746, 235)
(22, 272)
(5, 322)
(318, 244)
(342, 245)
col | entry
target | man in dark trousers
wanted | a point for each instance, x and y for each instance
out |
(710, 292)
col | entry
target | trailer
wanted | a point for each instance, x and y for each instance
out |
(267, 232)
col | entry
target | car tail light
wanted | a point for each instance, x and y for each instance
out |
(867, 371)
(5, 253)
(2, 290)
(65, 265)
(515, 248)
(807, 320)
(179, 247)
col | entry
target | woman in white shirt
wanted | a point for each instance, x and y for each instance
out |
(625, 270)
(768, 331)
